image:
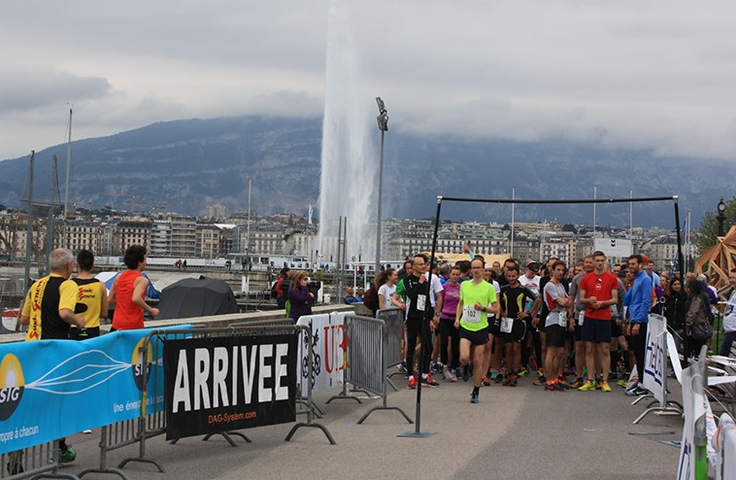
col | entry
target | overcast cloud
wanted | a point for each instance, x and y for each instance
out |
(658, 75)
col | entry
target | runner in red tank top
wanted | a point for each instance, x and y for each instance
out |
(129, 291)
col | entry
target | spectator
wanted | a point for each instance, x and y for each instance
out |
(300, 298)
(282, 287)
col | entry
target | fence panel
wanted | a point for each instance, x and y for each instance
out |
(366, 368)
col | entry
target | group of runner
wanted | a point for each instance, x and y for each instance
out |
(496, 323)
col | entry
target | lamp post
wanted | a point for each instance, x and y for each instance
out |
(383, 127)
(721, 217)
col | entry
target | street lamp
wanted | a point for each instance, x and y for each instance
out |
(721, 217)
(383, 127)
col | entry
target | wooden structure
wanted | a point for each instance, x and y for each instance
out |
(718, 260)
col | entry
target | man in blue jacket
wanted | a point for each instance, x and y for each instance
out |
(638, 301)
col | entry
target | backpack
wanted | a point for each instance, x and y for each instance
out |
(370, 298)
(284, 285)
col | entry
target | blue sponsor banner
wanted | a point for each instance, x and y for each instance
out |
(53, 388)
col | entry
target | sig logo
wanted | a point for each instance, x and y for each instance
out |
(139, 364)
(12, 385)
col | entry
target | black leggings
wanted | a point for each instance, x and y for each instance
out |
(449, 332)
(414, 329)
(638, 343)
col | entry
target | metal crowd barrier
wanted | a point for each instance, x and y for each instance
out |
(150, 425)
(38, 461)
(369, 344)
(394, 318)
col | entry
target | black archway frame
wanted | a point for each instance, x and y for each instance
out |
(674, 199)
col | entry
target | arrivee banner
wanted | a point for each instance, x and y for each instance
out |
(219, 384)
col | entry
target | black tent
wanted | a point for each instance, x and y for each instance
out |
(194, 297)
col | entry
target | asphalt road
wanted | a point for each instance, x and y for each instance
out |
(521, 432)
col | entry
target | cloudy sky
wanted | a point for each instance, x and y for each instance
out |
(656, 74)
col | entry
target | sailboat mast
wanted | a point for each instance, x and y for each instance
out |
(68, 164)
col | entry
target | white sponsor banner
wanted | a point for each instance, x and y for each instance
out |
(725, 444)
(328, 352)
(674, 357)
(655, 361)
(686, 465)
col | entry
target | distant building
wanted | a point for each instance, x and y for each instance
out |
(217, 212)
(133, 231)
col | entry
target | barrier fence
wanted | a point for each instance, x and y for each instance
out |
(130, 376)
(35, 461)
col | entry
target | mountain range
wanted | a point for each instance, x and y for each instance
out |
(186, 165)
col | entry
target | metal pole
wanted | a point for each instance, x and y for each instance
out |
(513, 214)
(68, 164)
(417, 433)
(50, 217)
(378, 218)
(680, 259)
(29, 230)
(595, 197)
(631, 216)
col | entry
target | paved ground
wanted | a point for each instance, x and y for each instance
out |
(521, 431)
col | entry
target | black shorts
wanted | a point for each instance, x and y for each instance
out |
(616, 330)
(494, 326)
(598, 331)
(518, 332)
(476, 338)
(555, 335)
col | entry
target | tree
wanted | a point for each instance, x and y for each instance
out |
(707, 235)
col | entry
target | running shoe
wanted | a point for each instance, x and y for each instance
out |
(562, 380)
(597, 384)
(512, 380)
(577, 383)
(540, 372)
(484, 382)
(622, 383)
(429, 382)
(446, 374)
(588, 386)
(453, 377)
(466, 374)
(494, 373)
(412, 382)
(541, 381)
(553, 386)
(523, 372)
(635, 392)
(436, 367)
(67, 456)
(474, 398)
(605, 387)
(499, 377)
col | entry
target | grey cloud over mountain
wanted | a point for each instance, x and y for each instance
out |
(657, 75)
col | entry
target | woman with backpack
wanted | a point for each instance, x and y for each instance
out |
(697, 318)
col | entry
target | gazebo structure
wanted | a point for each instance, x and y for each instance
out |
(718, 260)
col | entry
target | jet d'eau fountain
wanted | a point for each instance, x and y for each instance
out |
(349, 157)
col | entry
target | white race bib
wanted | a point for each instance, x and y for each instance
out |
(581, 318)
(421, 302)
(614, 311)
(562, 318)
(507, 324)
(470, 314)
